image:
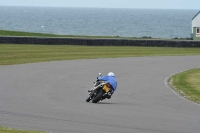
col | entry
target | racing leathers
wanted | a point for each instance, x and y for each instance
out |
(112, 81)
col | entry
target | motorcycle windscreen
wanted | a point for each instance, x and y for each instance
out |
(106, 88)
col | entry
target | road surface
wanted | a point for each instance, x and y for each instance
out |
(51, 96)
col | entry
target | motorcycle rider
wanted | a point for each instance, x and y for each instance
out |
(110, 78)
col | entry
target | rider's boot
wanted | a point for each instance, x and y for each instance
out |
(109, 95)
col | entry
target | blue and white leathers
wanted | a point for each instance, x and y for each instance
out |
(110, 79)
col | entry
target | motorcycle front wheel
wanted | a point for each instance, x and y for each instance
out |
(88, 99)
(98, 97)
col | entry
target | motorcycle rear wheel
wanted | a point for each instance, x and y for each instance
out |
(98, 97)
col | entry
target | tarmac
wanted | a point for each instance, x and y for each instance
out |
(50, 96)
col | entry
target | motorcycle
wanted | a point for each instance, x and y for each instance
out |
(100, 91)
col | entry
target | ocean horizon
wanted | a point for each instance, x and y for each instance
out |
(123, 22)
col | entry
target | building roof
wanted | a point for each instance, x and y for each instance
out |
(196, 15)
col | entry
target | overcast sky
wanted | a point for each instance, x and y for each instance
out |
(159, 4)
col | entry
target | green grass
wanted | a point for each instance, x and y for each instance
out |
(10, 130)
(18, 33)
(188, 84)
(20, 54)
(21, 33)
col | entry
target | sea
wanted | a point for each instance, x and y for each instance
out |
(155, 23)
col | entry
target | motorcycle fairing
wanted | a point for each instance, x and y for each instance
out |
(106, 88)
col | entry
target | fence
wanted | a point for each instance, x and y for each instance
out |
(98, 41)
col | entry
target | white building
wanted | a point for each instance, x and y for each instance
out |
(196, 26)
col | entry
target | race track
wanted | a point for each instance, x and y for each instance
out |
(51, 96)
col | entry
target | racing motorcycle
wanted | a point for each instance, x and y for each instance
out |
(100, 91)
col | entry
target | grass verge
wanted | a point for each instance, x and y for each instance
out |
(10, 130)
(20, 54)
(21, 33)
(188, 84)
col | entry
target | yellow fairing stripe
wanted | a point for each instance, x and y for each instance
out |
(106, 88)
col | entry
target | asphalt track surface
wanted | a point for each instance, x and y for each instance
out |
(51, 97)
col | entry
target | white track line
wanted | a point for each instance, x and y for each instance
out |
(176, 93)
